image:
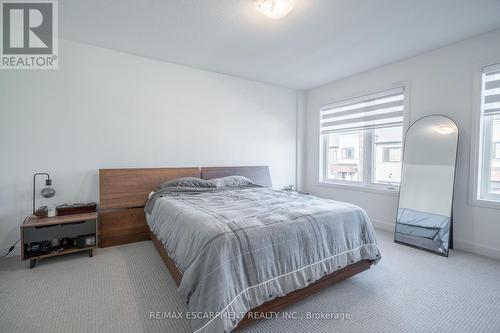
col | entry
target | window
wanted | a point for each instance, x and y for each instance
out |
(348, 165)
(368, 133)
(489, 169)
(333, 155)
(391, 154)
(348, 153)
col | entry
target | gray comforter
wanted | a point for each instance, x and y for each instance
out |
(238, 248)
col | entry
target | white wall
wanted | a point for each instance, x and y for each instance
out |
(441, 82)
(105, 109)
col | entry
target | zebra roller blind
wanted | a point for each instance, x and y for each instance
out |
(491, 90)
(384, 109)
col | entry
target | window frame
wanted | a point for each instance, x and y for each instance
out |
(477, 169)
(369, 146)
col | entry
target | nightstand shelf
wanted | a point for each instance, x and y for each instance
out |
(38, 232)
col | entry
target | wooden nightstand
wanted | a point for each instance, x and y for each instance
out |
(37, 231)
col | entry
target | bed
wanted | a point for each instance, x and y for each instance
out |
(236, 252)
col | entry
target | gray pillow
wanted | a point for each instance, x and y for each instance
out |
(188, 182)
(232, 181)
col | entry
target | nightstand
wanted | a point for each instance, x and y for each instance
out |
(70, 233)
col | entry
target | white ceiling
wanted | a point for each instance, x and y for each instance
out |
(320, 41)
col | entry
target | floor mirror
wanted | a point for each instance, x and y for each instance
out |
(424, 217)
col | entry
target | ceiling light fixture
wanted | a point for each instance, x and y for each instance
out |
(445, 129)
(275, 9)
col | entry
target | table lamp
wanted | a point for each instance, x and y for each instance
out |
(47, 191)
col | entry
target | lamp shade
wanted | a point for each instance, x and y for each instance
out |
(48, 192)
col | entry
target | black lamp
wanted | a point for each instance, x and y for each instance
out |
(47, 192)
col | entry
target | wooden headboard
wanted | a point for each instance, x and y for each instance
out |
(122, 195)
(124, 192)
(129, 188)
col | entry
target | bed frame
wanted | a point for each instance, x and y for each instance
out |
(123, 194)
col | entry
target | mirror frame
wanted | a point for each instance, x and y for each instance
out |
(450, 233)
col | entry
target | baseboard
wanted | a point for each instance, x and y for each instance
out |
(481, 250)
(382, 225)
(459, 244)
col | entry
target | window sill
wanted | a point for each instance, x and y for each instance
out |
(485, 203)
(361, 187)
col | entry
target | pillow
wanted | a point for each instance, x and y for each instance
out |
(187, 182)
(232, 181)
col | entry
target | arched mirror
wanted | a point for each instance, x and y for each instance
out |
(424, 217)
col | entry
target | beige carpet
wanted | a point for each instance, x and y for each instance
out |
(115, 291)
